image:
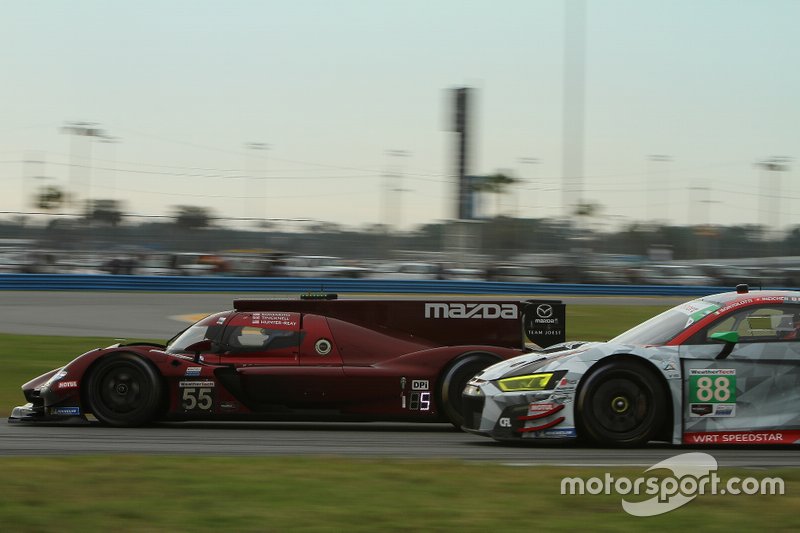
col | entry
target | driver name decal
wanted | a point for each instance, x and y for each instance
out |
(274, 319)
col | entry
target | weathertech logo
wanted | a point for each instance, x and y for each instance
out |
(471, 310)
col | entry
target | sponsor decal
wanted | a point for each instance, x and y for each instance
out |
(562, 395)
(505, 422)
(696, 310)
(66, 411)
(471, 310)
(701, 409)
(545, 315)
(67, 385)
(204, 383)
(742, 437)
(561, 433)
(544, 321)
(420, 384)
(537, 408)
(229, 406)
(724, 409)
(538, 332)
(193, 371)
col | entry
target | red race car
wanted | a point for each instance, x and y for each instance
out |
(303, 359)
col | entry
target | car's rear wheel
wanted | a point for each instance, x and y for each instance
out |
(622, 403)
(124, 390)
(453, 381)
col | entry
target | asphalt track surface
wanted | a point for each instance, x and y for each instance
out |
(159, 315)
(366, 440)
(152, 315)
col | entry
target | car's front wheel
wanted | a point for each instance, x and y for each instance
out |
(124, 390)
(622, 403)
(454, 380)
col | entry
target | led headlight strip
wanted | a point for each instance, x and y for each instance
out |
(530, 382)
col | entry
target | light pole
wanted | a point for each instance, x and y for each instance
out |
(531, 162)
(698, 215)
(252, 149)
(77, 130)
(653, 180)
(703, 230)
(573, 105)
(393, 188)
(112, 173)
(769, 208)
(33, 170)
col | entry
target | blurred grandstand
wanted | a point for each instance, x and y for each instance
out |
(499, 249)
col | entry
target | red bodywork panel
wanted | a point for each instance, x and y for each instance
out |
(440, 322)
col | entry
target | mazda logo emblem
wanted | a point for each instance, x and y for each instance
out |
(544, 311)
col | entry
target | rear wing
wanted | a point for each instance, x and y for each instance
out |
(505, 323)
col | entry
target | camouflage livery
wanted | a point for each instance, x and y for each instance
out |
(722, 369)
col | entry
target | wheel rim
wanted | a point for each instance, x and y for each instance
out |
(622, 406)
(455, 380)
(122, 388)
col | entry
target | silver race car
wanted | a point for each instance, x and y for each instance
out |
(719, 370)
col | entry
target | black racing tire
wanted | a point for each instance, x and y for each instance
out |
(455, 378)
(124, 391)
(621, 404)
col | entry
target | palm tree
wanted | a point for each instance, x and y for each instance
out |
(192, 217)
(496, 184)
(50, 197)
(104, 211)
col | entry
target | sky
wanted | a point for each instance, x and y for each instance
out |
(333, 91)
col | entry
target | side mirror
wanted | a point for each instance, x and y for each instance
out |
(200, 346)
(730, 338)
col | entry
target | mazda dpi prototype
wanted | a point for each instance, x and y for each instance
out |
(309, 359)
(723, 369)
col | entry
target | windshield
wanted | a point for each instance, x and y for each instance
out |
(208, 328)
(664, 327)
(189, 336)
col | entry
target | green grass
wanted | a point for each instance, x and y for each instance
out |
(302, 494)
(602, 322)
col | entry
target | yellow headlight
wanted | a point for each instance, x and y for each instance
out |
(530, 382)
